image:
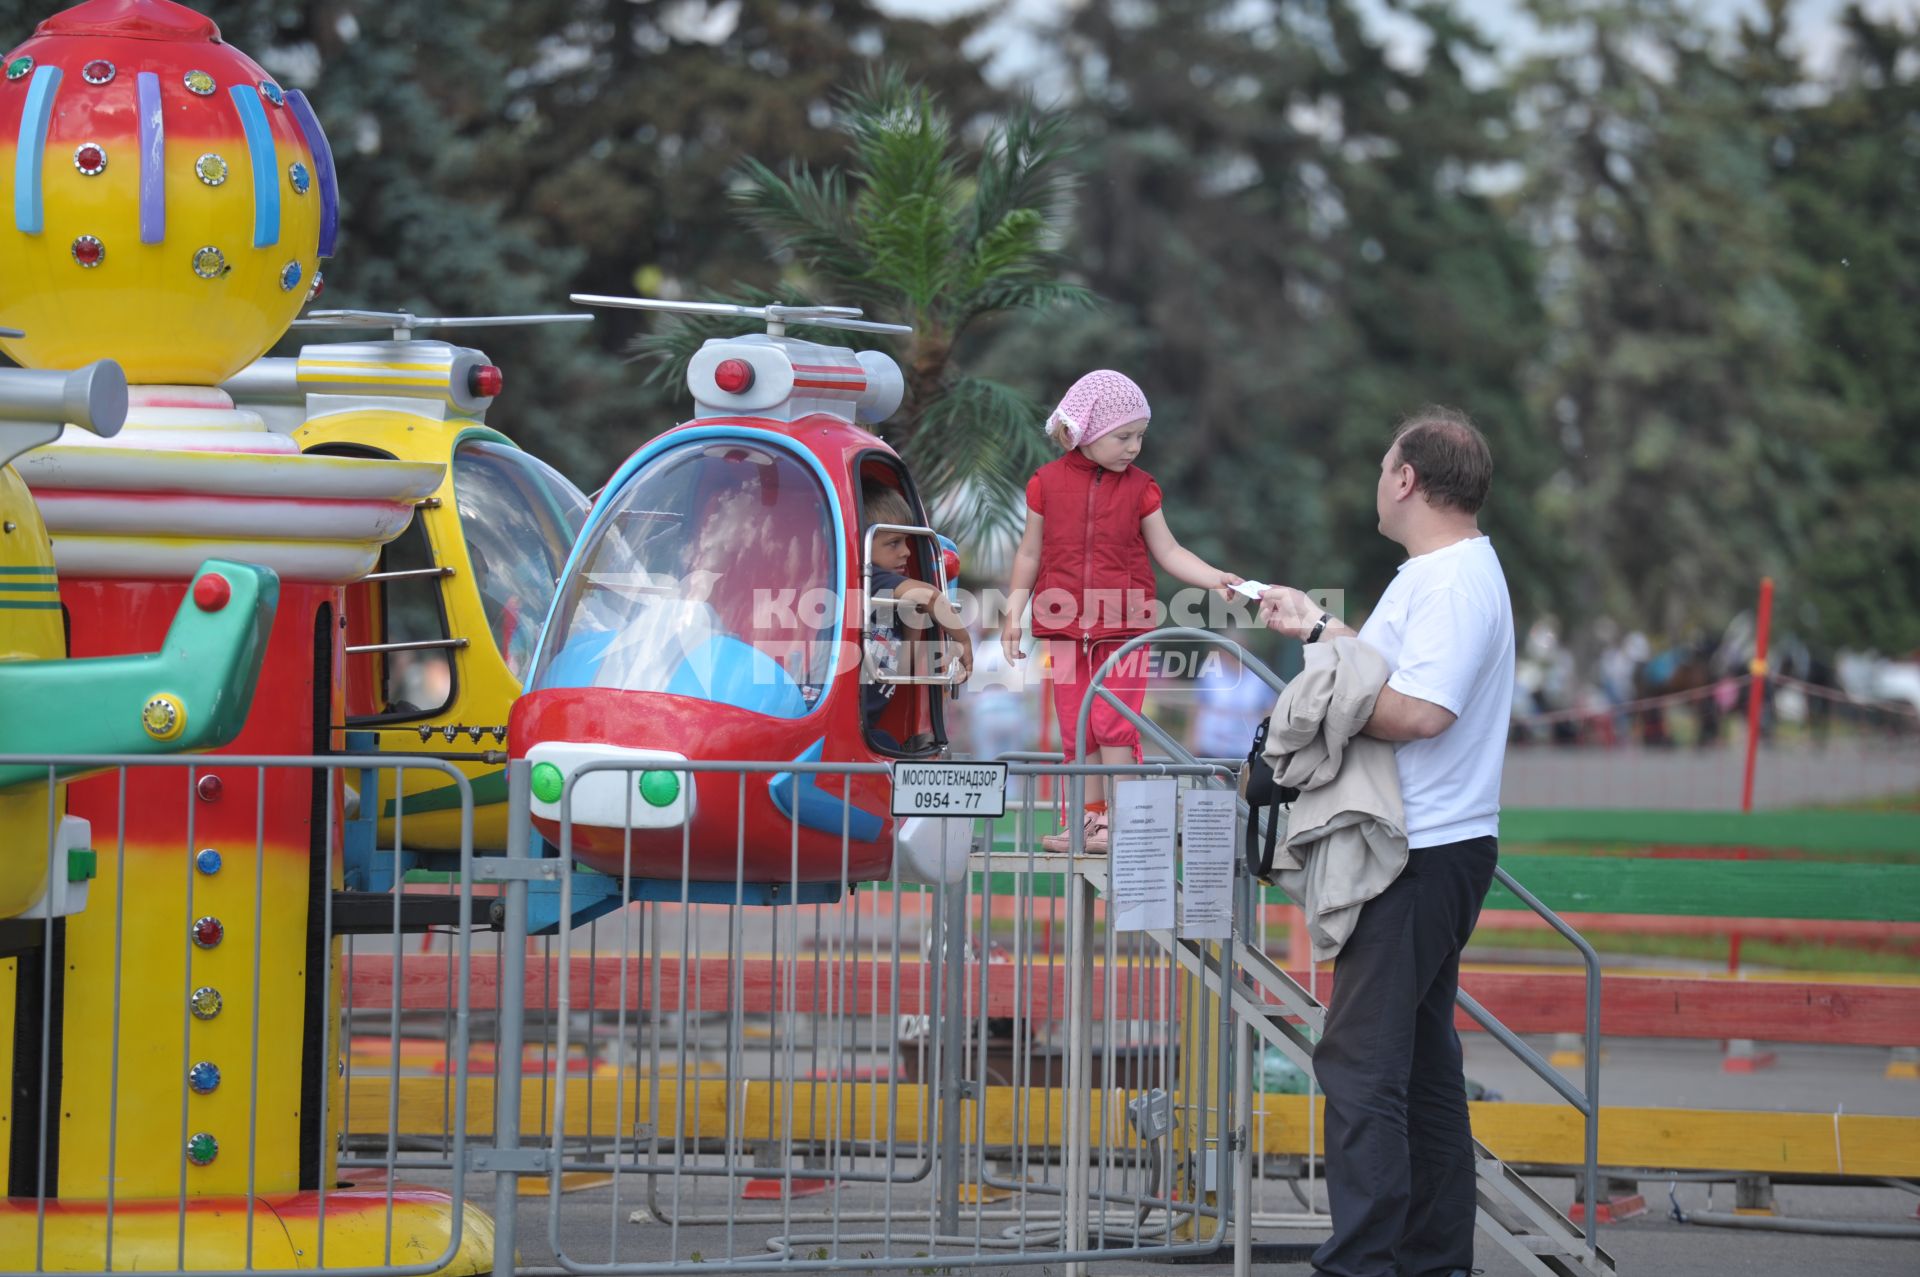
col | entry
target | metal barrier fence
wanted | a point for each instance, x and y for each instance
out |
(893, 1076)
(1511, 1212)
(179, 1064)
(701, 1065)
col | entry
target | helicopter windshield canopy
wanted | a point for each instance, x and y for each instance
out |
(519, 517)
(710, 575)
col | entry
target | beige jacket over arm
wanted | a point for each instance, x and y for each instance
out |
(1346, 837)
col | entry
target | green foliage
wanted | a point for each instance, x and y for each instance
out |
(1676, 383)
(920, 229)
(1670, 269)
(1847, 175)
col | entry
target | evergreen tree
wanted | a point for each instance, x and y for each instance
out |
(1300, 254)
(1438, 295)
(1677, 379)
(923, 230)
(1847, 165)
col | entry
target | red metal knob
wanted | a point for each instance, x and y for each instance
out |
(211, 592)
(735, 376)
(486, 381)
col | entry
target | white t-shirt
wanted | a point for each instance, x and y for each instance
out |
(1445, 626)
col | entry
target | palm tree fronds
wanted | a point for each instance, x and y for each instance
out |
(802, 213)
(1024, 165)
(972, 453)
(908, 244)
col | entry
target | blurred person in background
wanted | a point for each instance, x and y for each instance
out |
(998, 714)
(1229, 703)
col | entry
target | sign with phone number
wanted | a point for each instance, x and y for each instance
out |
(949, 789)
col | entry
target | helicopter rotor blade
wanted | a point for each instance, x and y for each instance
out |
(493, 321)
(847, 317)
(400, 319)
(856, 325)
(652, 303)
(356, 319)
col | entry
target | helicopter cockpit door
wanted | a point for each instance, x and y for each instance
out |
(896, 654)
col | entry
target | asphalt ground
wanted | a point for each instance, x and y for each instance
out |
(1655, 1245)
(594, 1229)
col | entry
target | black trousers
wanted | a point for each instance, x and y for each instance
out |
(1399, 1152)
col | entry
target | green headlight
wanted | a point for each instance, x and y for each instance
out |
(548, 782)
(659, 788)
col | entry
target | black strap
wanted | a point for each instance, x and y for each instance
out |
(1260, 859)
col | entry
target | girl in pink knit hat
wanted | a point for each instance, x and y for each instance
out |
(1094, 531)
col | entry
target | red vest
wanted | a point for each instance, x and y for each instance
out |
(1096, 577)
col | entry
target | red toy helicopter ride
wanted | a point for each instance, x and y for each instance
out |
(715, 607)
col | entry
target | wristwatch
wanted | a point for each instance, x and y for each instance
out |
(1313, 635)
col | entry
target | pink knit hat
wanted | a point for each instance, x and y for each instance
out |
(1099, 403)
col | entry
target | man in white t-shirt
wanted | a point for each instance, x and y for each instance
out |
(1400, 1176)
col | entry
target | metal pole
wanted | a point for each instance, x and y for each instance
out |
(1078, 1102)
(1242, 1207)
(953, 953)
(512, 1016)
(1756, 695)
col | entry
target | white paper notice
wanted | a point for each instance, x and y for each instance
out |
(1141, 858)
(1206, 864)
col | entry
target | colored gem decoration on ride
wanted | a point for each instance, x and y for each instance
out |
(206, 1002)
(90, 158)
(209, 787)
(548, 783)
(212, 592)
(202, 1149)
(204, 1077)
(298, 177)
(290, 277)
(207, 861)
(19, 67)
(166, 103)
(208, 932)
(163, 716)
(210, 263)
(659, 788)
(88, 251)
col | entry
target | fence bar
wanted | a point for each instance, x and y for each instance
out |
(510, 1028)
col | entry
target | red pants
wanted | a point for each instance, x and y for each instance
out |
(1073, 667)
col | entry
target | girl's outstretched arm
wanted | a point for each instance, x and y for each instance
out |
(1181, 563)
(1026, 567)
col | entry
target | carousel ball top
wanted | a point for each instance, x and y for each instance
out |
(163, 200)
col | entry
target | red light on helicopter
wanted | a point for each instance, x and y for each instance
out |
(735, 376)
(485, 381)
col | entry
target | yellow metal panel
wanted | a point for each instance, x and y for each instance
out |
(1670, 1138)
(426, 1106)
(27, 633)
(158, 1039)
(1680, 1139)
(285, 1234)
